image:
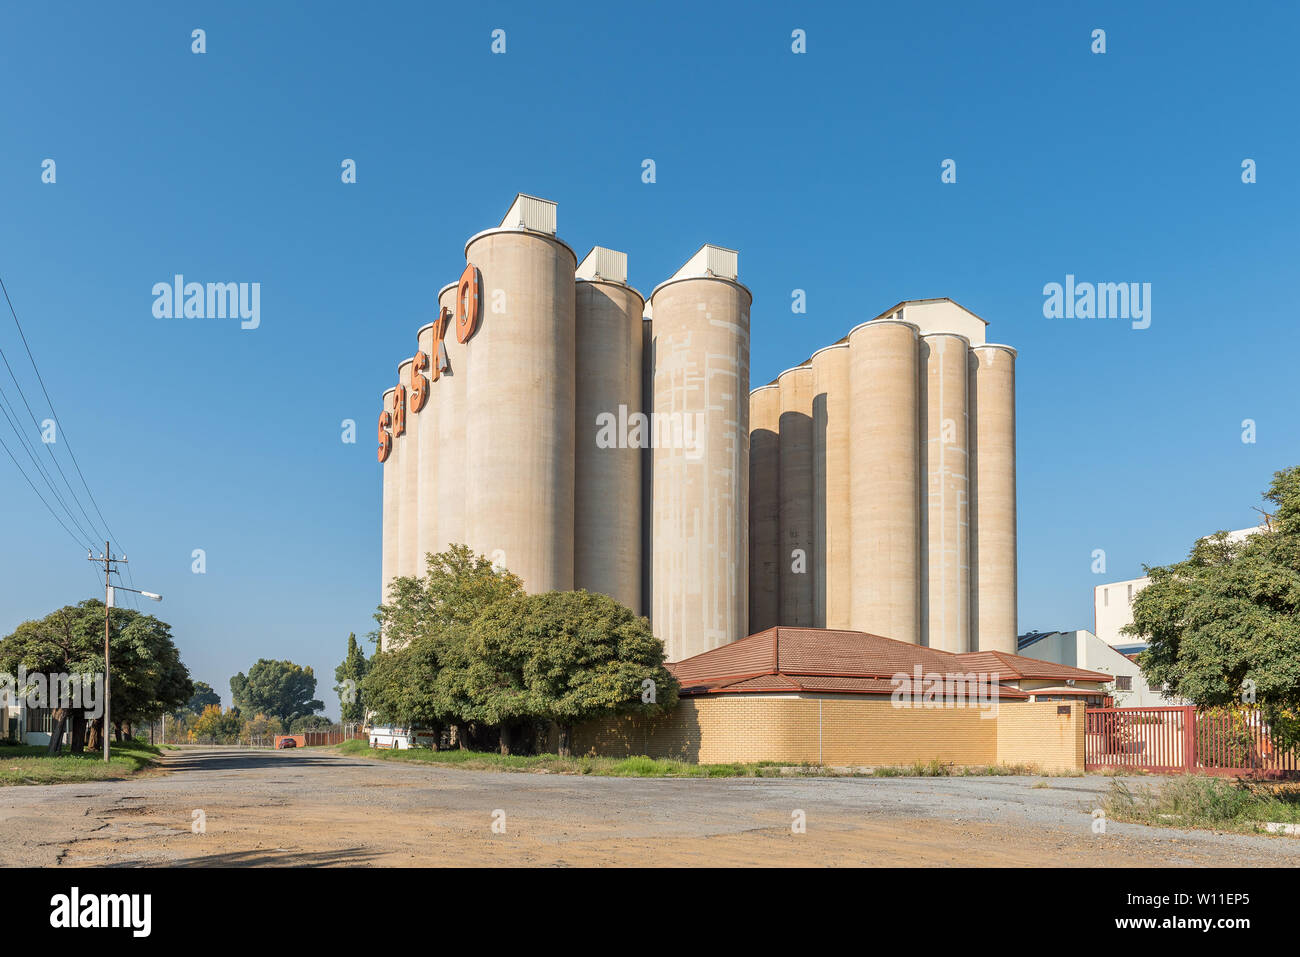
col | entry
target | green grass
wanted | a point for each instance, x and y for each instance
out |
(29, 764)
(638, 767)
(644, 767)
(1205, 802)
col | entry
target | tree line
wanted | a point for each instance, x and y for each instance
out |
(467, 654)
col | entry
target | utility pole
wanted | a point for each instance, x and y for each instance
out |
(109, 561)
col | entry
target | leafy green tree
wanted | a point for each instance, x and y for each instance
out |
(203, 696)
(148, 677)
(310, 722)
(465, 646)
(419, 678)
(349, 676)
(1225, 623)
(399, 687)
(279, 688)
(567, 657)
(61, 643)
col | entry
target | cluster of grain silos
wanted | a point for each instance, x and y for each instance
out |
(530, 434)
(555, 421)
(882, 482)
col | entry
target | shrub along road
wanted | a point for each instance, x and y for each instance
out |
(317, 807)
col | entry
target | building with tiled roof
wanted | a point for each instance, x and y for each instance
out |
(823, 661)
(849, 698)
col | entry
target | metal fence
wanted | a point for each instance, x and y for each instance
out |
(313, 738)
(1179, 740)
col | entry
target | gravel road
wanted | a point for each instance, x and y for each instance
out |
(318, 808)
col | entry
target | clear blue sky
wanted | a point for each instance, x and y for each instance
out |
(823, 169)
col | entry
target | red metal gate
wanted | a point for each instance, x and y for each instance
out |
(1178, 740)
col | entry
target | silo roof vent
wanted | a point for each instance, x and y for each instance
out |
(609, 265)
(711, 261)
(529, 212)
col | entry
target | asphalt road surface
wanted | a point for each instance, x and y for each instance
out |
(318, 808)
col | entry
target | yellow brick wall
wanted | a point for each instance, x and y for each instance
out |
(836, 731)
(673, 735)
(874, 732)
(1034, 733)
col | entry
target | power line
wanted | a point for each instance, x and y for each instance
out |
(67, 443)
(40, 496)
(32, 415)
(5, 409)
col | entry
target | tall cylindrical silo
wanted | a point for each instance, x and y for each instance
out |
(520, 411)
(764, 508)
(391, 506)
(885, 480)
(701, 477)
(408, 535)
(607, 469)
(832, 511)
(647, 456)
(449, 396)
(424, 424)
(993, 534)
(796, 496)
(945, 583)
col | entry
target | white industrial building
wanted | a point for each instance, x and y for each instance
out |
(1112, 605)
(1083, 649)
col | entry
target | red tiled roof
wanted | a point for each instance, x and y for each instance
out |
(819, 659)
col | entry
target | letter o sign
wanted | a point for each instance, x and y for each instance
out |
(468, 303)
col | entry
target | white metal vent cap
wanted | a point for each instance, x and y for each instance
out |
(711, 261)
(530, 212)
(601, 263)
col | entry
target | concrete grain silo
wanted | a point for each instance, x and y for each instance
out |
(391, 505)
(407, 449)
(796, 497)
(700, 523)
(450, 394)
(424, 425)
(832, 554)
(518, 493)
(945, 584)
(993, 534)
(607, 472)
(647, 455)
(884, 454)
(764, 508)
